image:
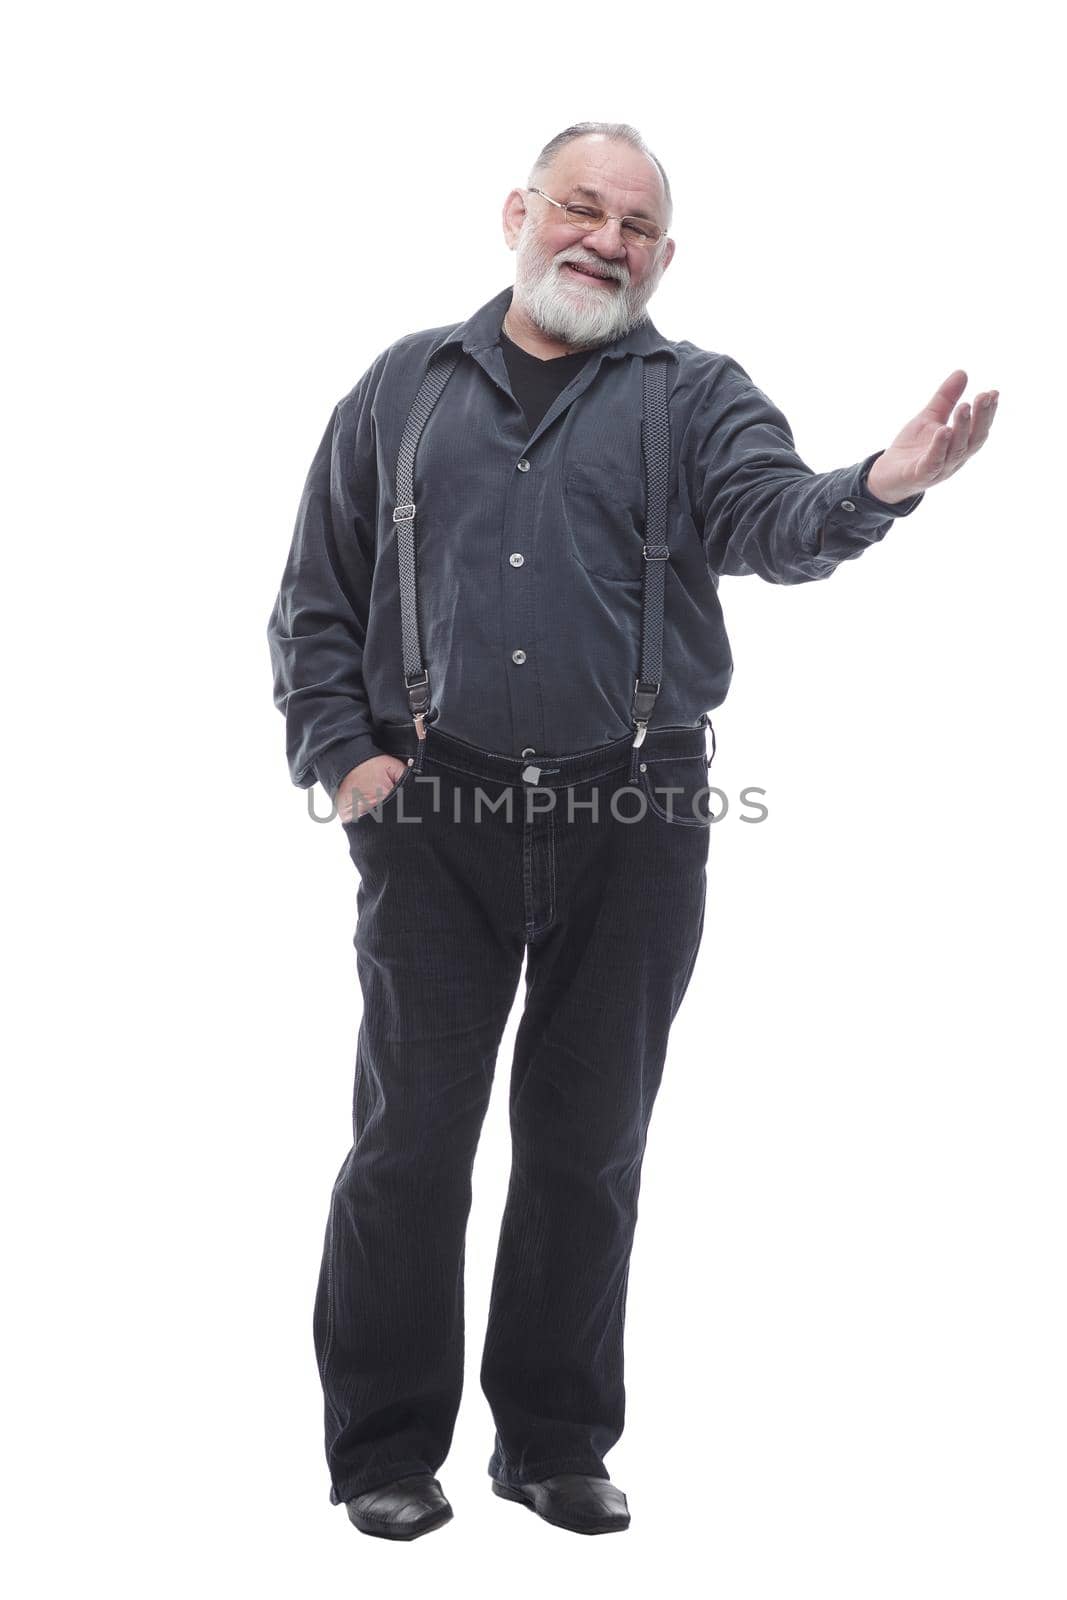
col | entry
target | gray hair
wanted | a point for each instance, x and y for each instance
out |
(612, 130)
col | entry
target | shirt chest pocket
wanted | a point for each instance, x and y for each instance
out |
(605, 511)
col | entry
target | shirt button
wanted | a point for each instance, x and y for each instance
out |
(523, 465)
(518, 656)
(516, 559)
(847, 505)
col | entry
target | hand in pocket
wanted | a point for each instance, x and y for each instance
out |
(367, 785)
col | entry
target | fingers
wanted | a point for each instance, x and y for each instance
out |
(374, 792)
(946, 396)
(953, 444)
(379, 780)
(985, 409)
(960, 438)
(945, 449)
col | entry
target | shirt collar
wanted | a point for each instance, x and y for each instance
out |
(482, 329)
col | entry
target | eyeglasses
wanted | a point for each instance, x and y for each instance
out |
(587, 218)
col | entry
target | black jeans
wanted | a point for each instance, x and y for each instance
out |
(595, 871)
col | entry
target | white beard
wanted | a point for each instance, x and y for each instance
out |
(568, 311)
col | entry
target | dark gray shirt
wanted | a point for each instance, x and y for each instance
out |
(531, 541)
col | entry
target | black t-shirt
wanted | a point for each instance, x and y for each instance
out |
(536, 383)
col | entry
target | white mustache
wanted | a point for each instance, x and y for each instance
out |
(600, 272)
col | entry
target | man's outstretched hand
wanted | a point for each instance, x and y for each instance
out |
(367, 784)
(928, 449)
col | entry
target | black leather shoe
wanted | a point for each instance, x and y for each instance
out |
(572, 1500)
(401, 1510)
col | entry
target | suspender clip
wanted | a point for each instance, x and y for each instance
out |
(418, 687)
(645, 692)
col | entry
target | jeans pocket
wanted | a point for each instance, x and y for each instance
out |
(676, 788)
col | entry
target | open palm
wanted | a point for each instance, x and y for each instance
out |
(929, 449)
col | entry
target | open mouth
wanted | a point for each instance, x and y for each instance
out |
(587, 274)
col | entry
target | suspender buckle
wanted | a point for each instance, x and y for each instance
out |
(657, 552)
(418, 687)
(405, 513)
(645, 692)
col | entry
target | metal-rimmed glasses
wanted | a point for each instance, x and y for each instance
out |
(587, 218)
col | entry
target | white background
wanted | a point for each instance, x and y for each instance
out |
(846, 1316)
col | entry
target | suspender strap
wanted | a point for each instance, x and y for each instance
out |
(656, 443)
(416, 675)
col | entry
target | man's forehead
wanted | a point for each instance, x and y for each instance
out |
(608, 180)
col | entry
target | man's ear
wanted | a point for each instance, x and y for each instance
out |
(513, 217)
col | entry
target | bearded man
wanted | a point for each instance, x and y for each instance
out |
(496, 643)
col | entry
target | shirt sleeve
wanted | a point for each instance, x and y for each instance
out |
(318, 624)
(763, 509)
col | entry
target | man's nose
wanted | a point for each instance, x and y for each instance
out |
(607, 240)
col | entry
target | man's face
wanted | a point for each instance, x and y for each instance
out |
(565, 304)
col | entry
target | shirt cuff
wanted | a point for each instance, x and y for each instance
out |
(852, 518)
(337, 760)
(903, 508)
